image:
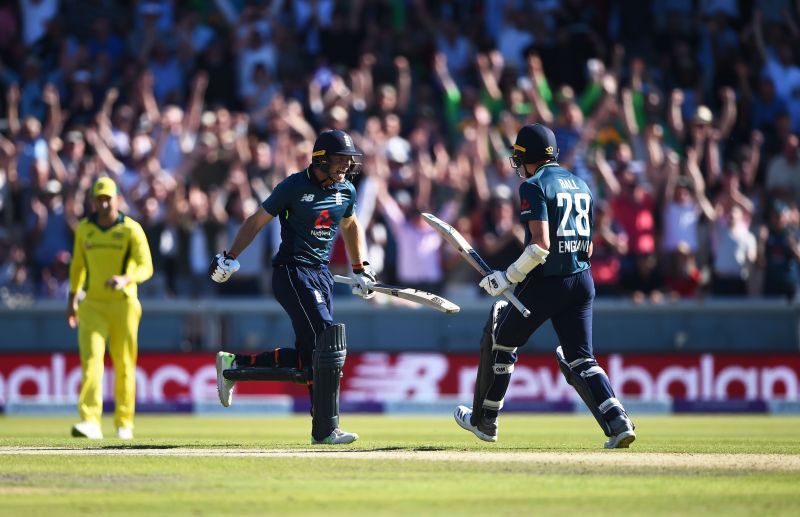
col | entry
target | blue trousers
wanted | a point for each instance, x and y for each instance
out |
(565, 300)
(304, 292)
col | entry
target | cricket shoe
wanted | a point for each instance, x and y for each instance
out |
(486, 429)
(623, 433)
(225, 361)
(337, 437)
(125, 433)
(88, 430)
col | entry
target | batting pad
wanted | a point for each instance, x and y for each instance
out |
(328, 361)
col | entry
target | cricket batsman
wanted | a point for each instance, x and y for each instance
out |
(311, 205)
(552, 278)
(110, 258)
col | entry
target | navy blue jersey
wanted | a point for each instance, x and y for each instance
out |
(309, 216)
(562, 199)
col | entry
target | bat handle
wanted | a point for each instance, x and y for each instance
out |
(518, 304)
(339, 279)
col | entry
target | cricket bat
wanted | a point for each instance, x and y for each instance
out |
(469, 254)
(406, 293)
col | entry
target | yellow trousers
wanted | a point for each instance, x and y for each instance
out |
(115, 321)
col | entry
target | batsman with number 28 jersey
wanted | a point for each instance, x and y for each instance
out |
(311, 206)
(552, 278)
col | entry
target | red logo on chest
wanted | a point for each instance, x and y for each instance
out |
(323, 220)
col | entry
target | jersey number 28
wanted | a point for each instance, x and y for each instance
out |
(581, 202)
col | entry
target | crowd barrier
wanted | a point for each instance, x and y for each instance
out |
(715, 326)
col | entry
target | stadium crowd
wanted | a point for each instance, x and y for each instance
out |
(683, 116)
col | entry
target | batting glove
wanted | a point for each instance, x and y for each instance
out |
(223, 267)
(496, 283)
(365, 278)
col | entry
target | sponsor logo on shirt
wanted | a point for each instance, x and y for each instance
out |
(100, 245)
(525, 206)
(322, 226)
(307, 198)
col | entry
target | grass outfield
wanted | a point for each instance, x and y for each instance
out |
(721, 465)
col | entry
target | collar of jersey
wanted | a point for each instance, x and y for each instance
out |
(120, 219)
(549, 164)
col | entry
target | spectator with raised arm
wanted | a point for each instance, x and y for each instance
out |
(734, 253)
(685, 202)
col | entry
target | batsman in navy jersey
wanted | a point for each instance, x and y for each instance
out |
(311, 206)
(553, 280)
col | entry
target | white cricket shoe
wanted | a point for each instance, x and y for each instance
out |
(625, 434)
(88, 430)
(224, 386)
(337, 437)
(487, 432)
(125, 433)
(622, 440)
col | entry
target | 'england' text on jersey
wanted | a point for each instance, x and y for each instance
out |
(573, 246)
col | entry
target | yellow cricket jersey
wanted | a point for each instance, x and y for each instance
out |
(99, 254)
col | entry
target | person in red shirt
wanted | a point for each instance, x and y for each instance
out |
(610, 245)
(683, 279)
(633, 209)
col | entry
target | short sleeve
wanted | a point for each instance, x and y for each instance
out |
(351, 206)
(532, 202)
(278, 200)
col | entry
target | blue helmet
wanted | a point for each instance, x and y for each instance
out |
(534, 143)
(335, 142)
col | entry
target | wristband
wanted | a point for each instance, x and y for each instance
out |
(359, 268)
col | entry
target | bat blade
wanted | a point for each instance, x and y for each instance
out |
(469, 254)
(455, 238)
(425, 298)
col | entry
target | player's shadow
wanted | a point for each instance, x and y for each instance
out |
(114, 447)
(428, 448)
(399, 448)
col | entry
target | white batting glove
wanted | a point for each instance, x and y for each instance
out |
(223, 267)
(365, 277)
(496, 283)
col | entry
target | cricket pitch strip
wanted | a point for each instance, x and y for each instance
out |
(630, 458)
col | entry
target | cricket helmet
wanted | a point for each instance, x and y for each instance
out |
(335, 142)
(534, 143)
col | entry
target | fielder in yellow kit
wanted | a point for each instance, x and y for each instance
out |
(110, 258)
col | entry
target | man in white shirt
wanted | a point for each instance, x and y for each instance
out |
(734, 254)
(783, 172)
